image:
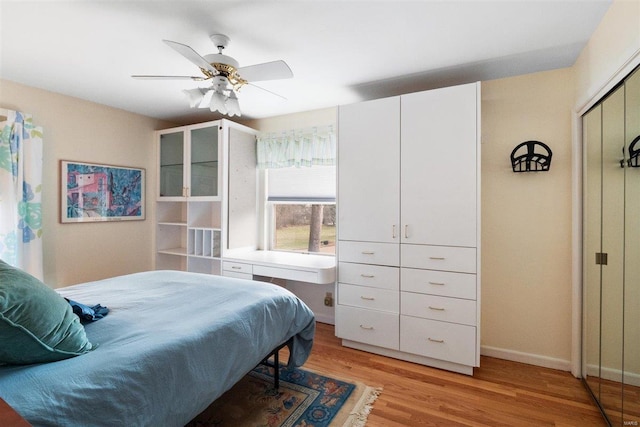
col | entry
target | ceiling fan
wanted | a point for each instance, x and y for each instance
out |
(225, 75)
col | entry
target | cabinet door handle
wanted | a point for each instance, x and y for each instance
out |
(437, 258)
(436, 283)
(367, 298)
(393, 233)
(437, 341)
(368, 252)
(436, 308)
(369, 328)
(235, 267)
(368, 276)
(406, 231)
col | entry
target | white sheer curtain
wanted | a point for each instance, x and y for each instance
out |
(21, 192)
(298, 147)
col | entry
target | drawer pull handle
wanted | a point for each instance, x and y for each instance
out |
(436, 283)
(368, 252)
(393, 234)
(235, 267)
(437, 341)
(367, 298)
(436, 308)
(368, 276)
(406, 231)
(437, 258)
(369, 328)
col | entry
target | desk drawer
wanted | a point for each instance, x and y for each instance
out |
(367, 297)
(367, 326)
(237, 267)
(377, 276)
(440, 340)
(443, 258)
(453, 310)
(443, 283)
(246, 276)
(369, 252)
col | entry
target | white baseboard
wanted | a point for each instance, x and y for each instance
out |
(325, 318)
(531, 359)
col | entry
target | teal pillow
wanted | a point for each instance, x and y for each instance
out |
(36, 323)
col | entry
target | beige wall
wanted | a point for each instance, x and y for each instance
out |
(612, 45)
(526, 220)
(88, 132)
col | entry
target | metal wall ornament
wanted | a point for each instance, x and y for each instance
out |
(531, 156)
(634, 153)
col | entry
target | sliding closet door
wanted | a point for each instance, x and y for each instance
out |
(592, 212)
(611, 330)
(631, 371)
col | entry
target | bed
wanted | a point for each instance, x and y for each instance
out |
(171, 344)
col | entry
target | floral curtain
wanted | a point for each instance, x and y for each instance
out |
(300, 147)
(21, 193)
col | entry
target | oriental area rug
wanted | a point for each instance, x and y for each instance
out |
(304, 399)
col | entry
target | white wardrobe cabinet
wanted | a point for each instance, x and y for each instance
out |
(368, 172)
(408, 227)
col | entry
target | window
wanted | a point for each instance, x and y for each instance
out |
(301, 205)
(300, 227)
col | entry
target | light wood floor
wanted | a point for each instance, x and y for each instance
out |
(501, 393)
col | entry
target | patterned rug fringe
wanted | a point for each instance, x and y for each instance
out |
(358, 417)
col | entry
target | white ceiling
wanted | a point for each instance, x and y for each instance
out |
(340, 51)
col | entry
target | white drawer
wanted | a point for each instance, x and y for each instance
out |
(444, 283)
(368, 326)
(237, 267)
(366, 297)
(227, 273)
(453, 310)
(444, 258)
(377, 276)
(369, 253)
(440, 340)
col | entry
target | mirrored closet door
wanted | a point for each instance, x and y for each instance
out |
(611, 253)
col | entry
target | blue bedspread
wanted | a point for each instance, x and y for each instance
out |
(172, 343)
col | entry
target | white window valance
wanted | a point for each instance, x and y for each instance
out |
(297, 147)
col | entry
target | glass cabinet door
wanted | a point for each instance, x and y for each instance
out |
(204, 162)
(172, 164)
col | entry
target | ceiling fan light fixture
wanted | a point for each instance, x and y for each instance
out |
(218, 102)
(233, 105)
(195, 96)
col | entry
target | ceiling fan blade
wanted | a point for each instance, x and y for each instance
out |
(191, 55)
(148, 77)
(274, 70)
(267, 90)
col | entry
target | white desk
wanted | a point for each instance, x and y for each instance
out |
(320, 269)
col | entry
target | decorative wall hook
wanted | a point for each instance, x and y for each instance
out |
(634, 153)
(531, 156)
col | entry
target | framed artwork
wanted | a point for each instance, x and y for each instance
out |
(94, 193)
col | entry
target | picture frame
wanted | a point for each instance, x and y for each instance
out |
(93, 192)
